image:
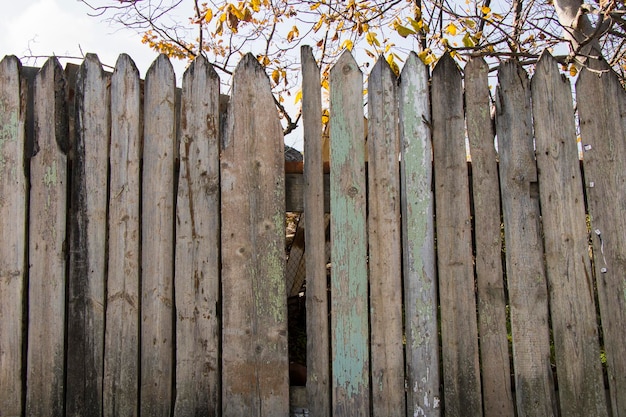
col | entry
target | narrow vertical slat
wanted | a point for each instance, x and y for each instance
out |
(459, 334)
(255, 379)
(528, 293)
(568, 269)
(318, 359)
(13, 210)
(121, 353)
(418, 242)
(88, 216)
(602, 109)
(349, 307)
(385, 244)
(494, 345)
(157, 239)
(47, 250)
(197, 245)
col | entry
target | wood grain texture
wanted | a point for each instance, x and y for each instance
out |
(528, 293)
(157, 240)
(13, 211)
(385, 244)
(296, 186)
(459, 334)
(197, 245)
(47, 251)
(566, 240)
(418, 242)
(318, 331)
(602, 106)
(121, 353)
(349, 300)
(255, 380)
(494, 346)
(88, 228)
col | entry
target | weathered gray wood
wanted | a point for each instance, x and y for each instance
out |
(418, 244)
(349, 303)
(13, 210)
(47, 251)
(494, 345)
(197, 245)
(602, 108)
(157, 239)
(459, 334)
(296, 186)
(318, 353)
(385, 244)
(87, 262)
(121, 353)
(528, 294)
(255, 380)
(566, 240)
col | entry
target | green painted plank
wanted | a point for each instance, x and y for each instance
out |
(349, 307)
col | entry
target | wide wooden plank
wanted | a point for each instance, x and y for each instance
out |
(47, 251)
(255, 379)
(418, 242)
(318, 353)
(349, 306)
(13, 210)
(197, 245)
(87, 263)
(602, 108)
(121, 353)
(385, 244)
(459, 334)
(528, 293)
(566, 240)
(494, 345)
(157, 239)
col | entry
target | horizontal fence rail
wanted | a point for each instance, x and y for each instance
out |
(476, 267)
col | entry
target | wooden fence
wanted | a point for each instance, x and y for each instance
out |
(142, 254)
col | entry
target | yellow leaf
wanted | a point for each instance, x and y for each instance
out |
(256, 5)
(275, 76)
(404, 31)
(427, 56)
(485, 10)
(315, 5)
(451, 29)
(325, 116)
(573, 70)
(468, 41)
(325, 84)
(392, 63)
(208, 16)
(347, 44)
(371, 39)
(298, 97)
(469, 23)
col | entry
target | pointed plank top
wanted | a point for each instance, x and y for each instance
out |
(201, 64)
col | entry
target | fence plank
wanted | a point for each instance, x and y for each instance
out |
(418, 241)
(528, 293)
(494, 347)
(88, 216)
(384, 238)
(13, 209)
(121, 365)
(197, 245)
(255, 380)
(461, 372)
(157, 243)
(349, 309)
(318, 353)
(47, 253)
(602, 106)
(572, 308)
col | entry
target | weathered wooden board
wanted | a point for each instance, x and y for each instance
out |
(602, 108)
(47, 251)
(528, 293)
(566, 240)
(13, 210)
(197, 245)
(385, 244)
(157, 239)
(459, 333)
(88, 228)
(318, 353)
(297, 184)
(349, 289)
(494, 345)
(255, 380)
(418, 242)
(121, 353)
